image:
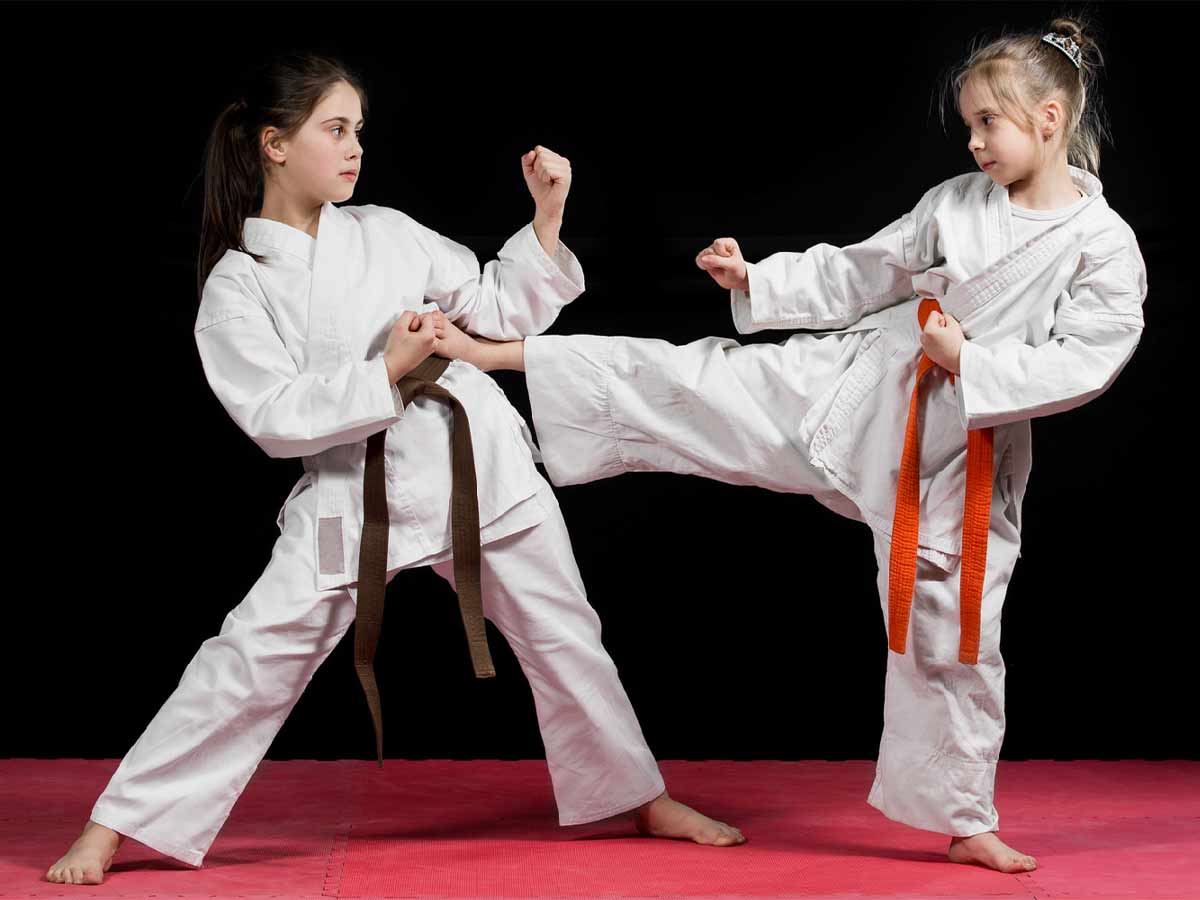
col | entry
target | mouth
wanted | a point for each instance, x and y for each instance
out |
(988, 165)
(350, 174)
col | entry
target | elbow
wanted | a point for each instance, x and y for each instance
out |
(281, 449)
(275, 444)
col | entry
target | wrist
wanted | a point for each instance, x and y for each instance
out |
(956, 358)
(391, 366)
(494, 355)
(482, 357)
(546, 229)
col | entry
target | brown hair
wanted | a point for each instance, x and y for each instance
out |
(281, 93)
(1021, 70)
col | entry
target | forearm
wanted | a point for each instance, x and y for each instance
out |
(1011, 381)
(492, 355)
(547, 227)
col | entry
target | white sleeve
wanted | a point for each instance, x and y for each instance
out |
(286, 412)
(1097, 325)
(519, 293)
(828, 287)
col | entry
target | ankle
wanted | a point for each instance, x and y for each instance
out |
(103, 831)
(649, 804)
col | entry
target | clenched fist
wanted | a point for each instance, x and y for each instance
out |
(548, 177)
(722, 259)
(942, 339)
(409, 342)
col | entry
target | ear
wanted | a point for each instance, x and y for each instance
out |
(1053, 117)
(272, 146)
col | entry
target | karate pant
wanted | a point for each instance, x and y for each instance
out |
(606, 405)
(175, 788)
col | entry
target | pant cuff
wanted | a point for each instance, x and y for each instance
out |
(616, 809)
(922, 787)
(103, 817)
(567, 378)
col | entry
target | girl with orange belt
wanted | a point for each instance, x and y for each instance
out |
(1005, 294)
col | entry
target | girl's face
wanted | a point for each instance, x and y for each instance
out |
(326, 146)
(1001, 147)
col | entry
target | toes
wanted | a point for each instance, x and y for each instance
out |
(727, 837)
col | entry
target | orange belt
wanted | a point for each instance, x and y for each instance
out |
(902, 573)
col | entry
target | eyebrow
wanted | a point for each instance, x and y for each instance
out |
(340, 119)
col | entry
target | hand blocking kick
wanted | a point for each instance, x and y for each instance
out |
(415, 336)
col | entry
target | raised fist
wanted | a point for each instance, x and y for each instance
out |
(722, 259)
(548, 177)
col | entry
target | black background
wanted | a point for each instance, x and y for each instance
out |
(745, 624)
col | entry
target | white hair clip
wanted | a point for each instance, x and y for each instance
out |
(1066, 45)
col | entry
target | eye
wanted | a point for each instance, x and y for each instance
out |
(985, 120)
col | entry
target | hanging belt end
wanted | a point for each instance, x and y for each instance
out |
(482, 664)
(481, 657)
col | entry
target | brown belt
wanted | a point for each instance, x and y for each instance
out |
(372, 554)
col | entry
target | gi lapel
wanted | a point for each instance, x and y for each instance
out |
(967, 297)
(327, 292)
(326, 351)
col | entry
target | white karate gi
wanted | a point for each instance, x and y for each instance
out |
(292, 348)
(1050, 323)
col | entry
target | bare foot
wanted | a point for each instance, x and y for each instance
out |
(89, 857)
(988, 850)
(664, 817)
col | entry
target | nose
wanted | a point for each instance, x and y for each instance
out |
(974, 144)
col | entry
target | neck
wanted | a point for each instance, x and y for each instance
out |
(297, 212)
(1049, 187)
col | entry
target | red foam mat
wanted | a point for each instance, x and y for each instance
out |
(487, 828)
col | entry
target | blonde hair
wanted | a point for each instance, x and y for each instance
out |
(1021, 70)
